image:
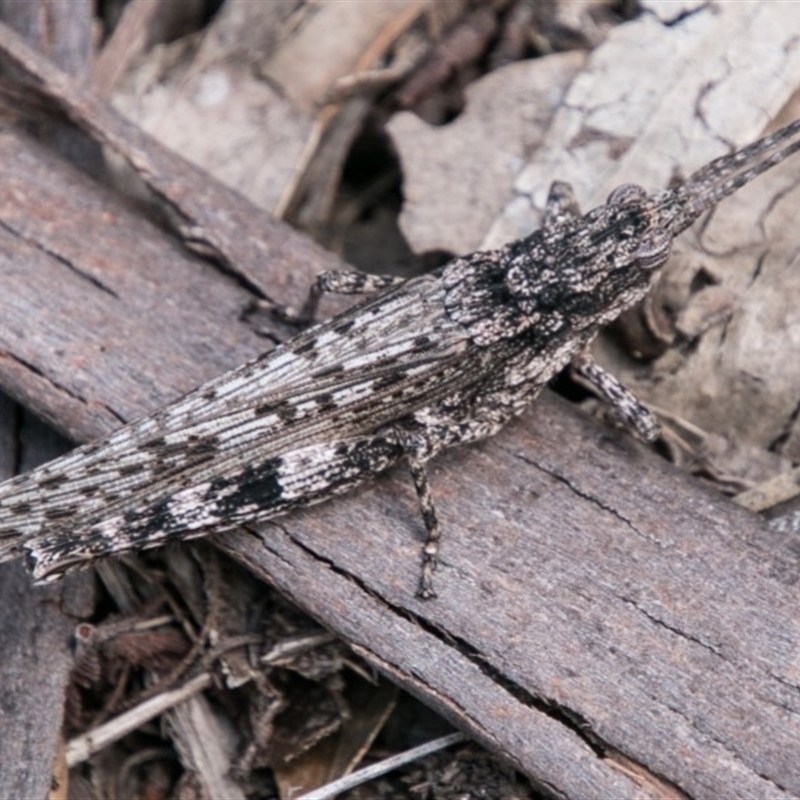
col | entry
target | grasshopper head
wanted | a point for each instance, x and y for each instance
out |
(585, 271)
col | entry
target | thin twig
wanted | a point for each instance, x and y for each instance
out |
(83, 747)
(382, 767)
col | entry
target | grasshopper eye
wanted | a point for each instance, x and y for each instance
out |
(653, 248)
(625, 194)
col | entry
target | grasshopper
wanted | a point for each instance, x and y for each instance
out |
(443, 359)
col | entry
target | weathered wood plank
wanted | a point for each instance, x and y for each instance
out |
(208, 216)
(35, 630)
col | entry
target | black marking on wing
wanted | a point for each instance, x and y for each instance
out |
(255, 493)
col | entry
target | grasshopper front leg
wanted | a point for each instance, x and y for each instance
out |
(628, 408)
(562, 206)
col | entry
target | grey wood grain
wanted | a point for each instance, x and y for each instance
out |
(34, 635)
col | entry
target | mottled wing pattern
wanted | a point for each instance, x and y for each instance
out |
(337, 381)
(256, 492)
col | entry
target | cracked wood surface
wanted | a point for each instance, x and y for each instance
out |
(603, 619)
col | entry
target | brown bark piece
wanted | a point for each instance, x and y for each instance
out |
(35, 630)
(36, 664)
(62, 32)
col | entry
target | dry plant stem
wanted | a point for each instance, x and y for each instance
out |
(159, 689)
(382, 767)
(330, 110)
(128, 40)
(287, 649)
(780, 489)
(86, 745)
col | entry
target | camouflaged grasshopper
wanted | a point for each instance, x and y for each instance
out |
(423, 364)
